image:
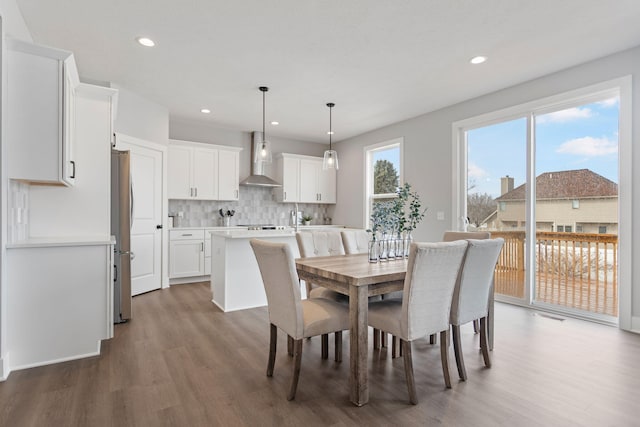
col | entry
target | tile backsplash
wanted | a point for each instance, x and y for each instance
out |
(257, 205)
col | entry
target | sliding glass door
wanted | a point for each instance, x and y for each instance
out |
(546, 179)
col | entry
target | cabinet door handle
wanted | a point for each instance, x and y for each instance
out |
(73, 174)
(190, 191)
(196, 190)
(184, 234)
(285, 196)
(237, 195)
(202, 247)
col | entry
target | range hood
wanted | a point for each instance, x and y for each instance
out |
(257, 177)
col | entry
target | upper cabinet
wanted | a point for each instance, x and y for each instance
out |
(202, 171)
(41, 85)
(303, 180)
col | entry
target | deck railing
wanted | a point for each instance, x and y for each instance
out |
(577, 270)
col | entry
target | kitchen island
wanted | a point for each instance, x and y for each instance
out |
(236, 283)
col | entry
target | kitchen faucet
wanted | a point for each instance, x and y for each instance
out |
(295, 217)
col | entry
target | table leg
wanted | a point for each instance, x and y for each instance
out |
(359, 337)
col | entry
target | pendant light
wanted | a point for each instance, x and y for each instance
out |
(330, 160)
(263, 153)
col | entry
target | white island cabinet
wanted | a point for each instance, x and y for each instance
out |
(236, 283)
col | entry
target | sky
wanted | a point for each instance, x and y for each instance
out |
(584, 137)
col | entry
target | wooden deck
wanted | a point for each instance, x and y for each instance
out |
(576, 270)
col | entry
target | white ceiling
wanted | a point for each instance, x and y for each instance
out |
(380, 61)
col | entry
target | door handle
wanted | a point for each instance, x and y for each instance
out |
(159, 226)
(73, 174)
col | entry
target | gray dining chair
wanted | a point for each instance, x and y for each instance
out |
(321, 243)
(472, 293)
(451, 236)
(431, 276)
(355, 241)
(298, 318)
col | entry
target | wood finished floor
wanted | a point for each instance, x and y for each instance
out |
(182, 362)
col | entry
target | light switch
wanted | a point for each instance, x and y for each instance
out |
(440, 216)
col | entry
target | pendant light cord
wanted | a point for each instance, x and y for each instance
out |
(330, 105)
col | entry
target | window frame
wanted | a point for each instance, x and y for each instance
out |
(369, 197)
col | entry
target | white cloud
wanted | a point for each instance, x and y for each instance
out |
(475, 172)
(589, 147)
(564, 116)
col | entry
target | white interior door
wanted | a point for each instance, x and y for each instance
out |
(146, 232)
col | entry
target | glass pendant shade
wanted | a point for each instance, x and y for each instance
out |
(330, 160)
(263, 154)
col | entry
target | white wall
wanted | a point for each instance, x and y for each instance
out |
(428, 151)
(140, 117)
(12, 24)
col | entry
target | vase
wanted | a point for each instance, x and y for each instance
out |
(383, 248)
(227, 221)
(391, 247)
(374, 250)
(399, 246)
(407, 243)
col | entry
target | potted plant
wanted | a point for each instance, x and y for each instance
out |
(306, 219)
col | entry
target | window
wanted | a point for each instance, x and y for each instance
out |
(602, 229)
(575, 204)
(567, 229)
(578, 229)
(503, 206)
(559, 228)
(384, 173)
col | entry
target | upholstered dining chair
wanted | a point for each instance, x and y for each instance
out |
(321, 243)
(451, 236)
(298, 318)
(431, 276)
(355, 241)
(472, 293)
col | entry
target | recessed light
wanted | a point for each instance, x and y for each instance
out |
(275, 123)
(205, 111)
(478, 59)
(145, 41)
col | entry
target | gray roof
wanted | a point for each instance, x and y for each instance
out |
(573, 184)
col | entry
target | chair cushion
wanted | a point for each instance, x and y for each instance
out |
(323, 316)
(386, 315)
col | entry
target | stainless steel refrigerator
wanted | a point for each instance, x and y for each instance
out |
(121, 203)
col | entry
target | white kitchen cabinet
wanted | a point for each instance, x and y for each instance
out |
(202, 171)
(228, 174)
(41, 84)
(186, 253)
(303, 180)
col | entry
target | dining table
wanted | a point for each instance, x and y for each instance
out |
(355, 276)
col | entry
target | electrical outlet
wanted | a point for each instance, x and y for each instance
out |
(180, 214)
(440, 216)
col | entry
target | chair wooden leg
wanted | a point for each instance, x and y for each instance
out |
(444, 355)
(476, 326)
(433, 338)
(484, 344)
(325, 346)
(289, 345)
(338, 347)
(408, 372)
(273, 341)
(376, 339)
(457, 350)
(297, 357)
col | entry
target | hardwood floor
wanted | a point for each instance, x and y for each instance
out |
(182, 362)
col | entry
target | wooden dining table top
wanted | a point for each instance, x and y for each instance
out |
(353, 270)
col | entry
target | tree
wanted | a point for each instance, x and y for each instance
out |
(385, 177)
(479, 207)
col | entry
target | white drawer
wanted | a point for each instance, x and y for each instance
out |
(186, 234)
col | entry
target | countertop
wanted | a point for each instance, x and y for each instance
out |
(252, 234)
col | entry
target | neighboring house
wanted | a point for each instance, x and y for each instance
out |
(571, 201)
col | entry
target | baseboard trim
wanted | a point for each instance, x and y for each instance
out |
(4, 368)
(60, 360)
